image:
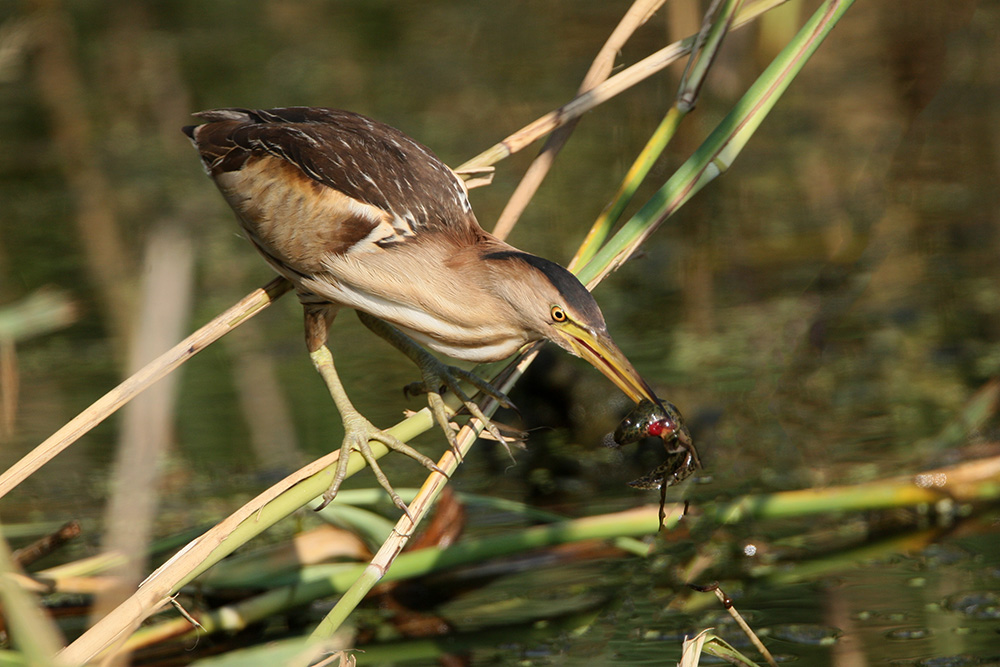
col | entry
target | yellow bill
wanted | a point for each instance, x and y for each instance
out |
(598, 348)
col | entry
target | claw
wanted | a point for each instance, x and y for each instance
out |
(359, 432)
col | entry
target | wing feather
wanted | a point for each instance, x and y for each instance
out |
(369, 162)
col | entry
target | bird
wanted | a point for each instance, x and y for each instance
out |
(356, 214)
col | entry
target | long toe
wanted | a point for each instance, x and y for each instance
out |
(358, 432)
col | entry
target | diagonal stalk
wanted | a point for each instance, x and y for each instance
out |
(640, 12)
(419, 507)
(721, 148)
(703, 55)
(636, 174)
(600, 94)
(167, 362)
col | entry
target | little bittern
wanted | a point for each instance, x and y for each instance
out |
(355, 213)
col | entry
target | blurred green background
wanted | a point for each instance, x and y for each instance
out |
(819, 314)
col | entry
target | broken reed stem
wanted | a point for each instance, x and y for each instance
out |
(745, 627)
(44, 546)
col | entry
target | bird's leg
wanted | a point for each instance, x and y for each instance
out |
(438, 376)
(357, 429)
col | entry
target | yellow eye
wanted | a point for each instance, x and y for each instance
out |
(558, 314)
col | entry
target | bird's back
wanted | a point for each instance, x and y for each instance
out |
(308, 183)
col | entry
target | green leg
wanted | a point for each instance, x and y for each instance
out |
(358, 431)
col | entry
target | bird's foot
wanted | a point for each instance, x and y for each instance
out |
(440, 377)
(358, 431)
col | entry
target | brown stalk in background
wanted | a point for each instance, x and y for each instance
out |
(600, 69)
(60, 86)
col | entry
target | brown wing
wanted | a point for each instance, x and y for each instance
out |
(375, 166)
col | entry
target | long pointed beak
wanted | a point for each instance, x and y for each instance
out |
(600, 350)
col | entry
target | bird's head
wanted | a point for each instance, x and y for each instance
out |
(554, 305)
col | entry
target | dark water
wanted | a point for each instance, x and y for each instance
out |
(819, 314)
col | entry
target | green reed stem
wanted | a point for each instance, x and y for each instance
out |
(721, 148)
